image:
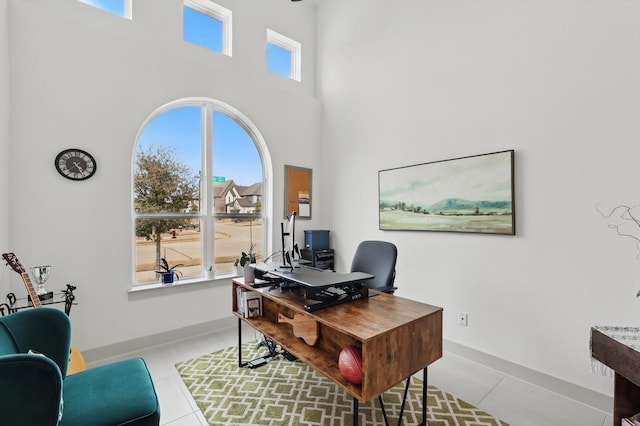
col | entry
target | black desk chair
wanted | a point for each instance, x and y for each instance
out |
(377, 258)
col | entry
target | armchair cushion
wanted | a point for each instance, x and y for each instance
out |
(114, 394)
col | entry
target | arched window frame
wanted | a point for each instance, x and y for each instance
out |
(208, 106)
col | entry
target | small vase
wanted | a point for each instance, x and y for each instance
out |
(249, 274)
(167, 278)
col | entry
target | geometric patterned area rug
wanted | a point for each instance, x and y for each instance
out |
(284, 392)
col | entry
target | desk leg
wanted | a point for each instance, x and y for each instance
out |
(424, 397)
(239, 343)
(355, 411)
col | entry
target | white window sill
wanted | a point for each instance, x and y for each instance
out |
(220, 279)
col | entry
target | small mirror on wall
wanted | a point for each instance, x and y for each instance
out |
(297, 191)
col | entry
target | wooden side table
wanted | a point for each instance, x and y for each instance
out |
(619, 349)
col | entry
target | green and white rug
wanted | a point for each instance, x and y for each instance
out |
(291, 393)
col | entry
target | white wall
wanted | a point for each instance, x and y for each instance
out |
(84, 78)
(4, 140)
(410, 82)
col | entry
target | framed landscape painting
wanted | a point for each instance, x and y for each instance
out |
(468, 194)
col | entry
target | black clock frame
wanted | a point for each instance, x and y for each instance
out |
(70, 175)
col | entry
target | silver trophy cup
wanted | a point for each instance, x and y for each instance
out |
(40, 275)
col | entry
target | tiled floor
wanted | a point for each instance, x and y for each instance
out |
(512, 400)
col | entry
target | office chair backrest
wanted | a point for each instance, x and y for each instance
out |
(377, 258)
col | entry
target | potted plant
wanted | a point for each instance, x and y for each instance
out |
(244, 261)
(246, 258)
(169, 273)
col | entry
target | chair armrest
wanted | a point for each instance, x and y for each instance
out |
(30, 390)
(43, 330)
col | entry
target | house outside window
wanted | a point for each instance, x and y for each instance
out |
(199, 174)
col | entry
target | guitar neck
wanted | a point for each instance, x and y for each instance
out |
(34, 296)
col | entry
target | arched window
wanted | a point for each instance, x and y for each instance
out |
(200, 195)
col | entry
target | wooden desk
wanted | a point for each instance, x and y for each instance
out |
(397, 337)
(625, 361)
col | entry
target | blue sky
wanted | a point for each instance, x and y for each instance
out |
(235, 155)
(202, 30)
(114, 6)
(278, 60)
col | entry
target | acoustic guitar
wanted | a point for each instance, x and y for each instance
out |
(303, 327)
(76, 360)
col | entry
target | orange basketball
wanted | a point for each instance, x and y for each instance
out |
(350, 364)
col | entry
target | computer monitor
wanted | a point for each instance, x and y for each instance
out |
(289, 246)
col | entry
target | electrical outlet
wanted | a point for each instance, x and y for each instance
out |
(463, 319)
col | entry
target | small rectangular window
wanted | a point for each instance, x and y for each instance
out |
(278, 60)
(284, 55)
(208, 25)
(120, 8)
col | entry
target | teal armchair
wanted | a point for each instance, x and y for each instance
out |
(35, 388)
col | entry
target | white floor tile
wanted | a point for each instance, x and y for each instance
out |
(466, 380)
(200, 416)
(522, 404)
(187, 395)
(173, 403)
(159, 362)
(188, 420)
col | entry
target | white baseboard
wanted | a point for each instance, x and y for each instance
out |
(577, 393)
(117, 350)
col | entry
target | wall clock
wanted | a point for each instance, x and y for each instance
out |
(75, 164)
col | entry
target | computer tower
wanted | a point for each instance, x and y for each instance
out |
(321, 259)
(315, 240)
